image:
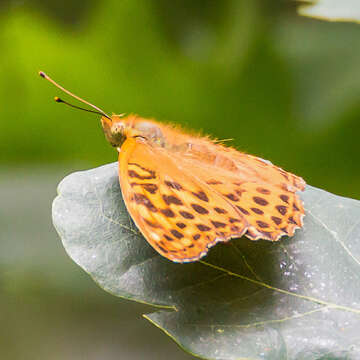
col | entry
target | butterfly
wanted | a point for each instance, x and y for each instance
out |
(186, 192)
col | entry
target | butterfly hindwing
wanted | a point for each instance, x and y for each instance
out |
(264, 194)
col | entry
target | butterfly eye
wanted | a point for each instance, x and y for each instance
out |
(118, 127)
(114, 132)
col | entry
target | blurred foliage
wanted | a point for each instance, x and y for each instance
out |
(285, 88)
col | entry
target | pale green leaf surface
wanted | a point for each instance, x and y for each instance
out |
(295, 299)
(332, 10)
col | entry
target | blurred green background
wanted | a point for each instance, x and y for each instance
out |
(284, 87)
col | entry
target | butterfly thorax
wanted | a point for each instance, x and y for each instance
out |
(119, 128)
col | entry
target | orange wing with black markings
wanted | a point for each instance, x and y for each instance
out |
(183, 207)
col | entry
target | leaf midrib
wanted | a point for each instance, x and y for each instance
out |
(304, 297)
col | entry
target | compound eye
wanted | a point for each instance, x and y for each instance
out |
(118, 127)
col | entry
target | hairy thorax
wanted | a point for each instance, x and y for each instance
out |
(192, 148)
(119, 128)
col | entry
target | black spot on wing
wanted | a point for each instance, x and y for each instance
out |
(151, 188)
(168, 212)
(276, 220)
(257, 211)
(181, 225)
(186, 215)
(173, 185)
(203, 227)
(220, 210)
(218, 224)
(143, 200)
(232, 197)
(177, 234)
(142, 168)
(172, 199)
(281, 209)
(260, 201)
(134, 174)
(244, 211)
(263, 191)
(201, 195)
(199, 209)
(262, 224)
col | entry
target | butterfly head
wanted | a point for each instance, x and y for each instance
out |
(119, 127)
(114, 130)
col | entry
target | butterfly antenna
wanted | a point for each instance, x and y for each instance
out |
(57, 99)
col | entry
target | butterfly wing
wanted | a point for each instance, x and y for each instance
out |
(264, 193)
(185, 200)
(270, 211)
(179, 216)
(244, 166)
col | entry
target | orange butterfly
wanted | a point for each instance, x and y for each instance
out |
(186, 193)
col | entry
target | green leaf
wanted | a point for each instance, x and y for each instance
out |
(298, 298)
(332, 10)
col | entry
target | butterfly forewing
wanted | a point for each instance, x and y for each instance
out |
(177, 215)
